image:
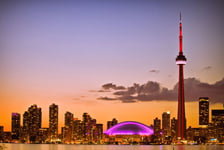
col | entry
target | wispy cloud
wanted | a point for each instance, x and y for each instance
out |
(109, 86)
(154, 71)
(207, 68)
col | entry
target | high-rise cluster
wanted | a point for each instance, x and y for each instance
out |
(74, 131)
(81, 131)
(206, 132)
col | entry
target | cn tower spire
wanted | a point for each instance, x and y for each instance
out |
(181, 61)
(180, 37)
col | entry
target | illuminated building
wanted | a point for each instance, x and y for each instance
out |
(68, 127)
(128, 132)
(43, 135)
(15, 126)
(157, 127)
(77, 129)
(98, 133)
(53, 122)
(87, 126)
(203, 111)
(25, 128)
(218, 122)
(34, 117)
(218, 116)
(1, 133)
(166, 123)
(173, 128)
(181, 61)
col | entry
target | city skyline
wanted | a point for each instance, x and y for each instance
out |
(94, 56)
(88, 129)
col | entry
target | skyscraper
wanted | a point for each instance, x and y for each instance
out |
(34, 120)
(111, 123)
(87, 125)
(173, 128)
(218, 123)
(15, 126)
(25, 129)
(68, 127)
(53, 121)
(203, 111)
(1, 133)
(181, 61)
(218, 117)
(157, 127)
(166, 123)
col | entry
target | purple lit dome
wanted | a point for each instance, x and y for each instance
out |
(129, 128)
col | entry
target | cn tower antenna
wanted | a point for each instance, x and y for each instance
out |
(180, 16)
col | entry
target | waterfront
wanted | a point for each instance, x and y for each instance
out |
(110, 147)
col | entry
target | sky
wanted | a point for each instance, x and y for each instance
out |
(111, 59)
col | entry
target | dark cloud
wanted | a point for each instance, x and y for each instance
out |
(107, 98)
(112, 86)
(207, 68)
(154, 71)
(153, 91)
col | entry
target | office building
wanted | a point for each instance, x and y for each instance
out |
(53, 122)
(15, 126)
(203, 111)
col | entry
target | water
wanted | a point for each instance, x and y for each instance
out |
(110, 147)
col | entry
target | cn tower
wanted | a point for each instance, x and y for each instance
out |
(181, 61)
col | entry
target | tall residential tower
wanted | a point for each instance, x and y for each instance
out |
(53, 121)
(181, 61)
(203, 111)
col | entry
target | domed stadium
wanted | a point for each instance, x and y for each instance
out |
(129, 128)
(128, 132)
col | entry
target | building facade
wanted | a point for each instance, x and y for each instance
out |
(203, 111)
(15, 126)
(53, 122)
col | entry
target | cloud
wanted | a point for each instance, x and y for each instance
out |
(109, 86)
(107, 98)
(207, 68)
(154, 71)
(153, 91)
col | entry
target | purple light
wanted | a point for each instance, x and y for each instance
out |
(129, 128)
(15, 114)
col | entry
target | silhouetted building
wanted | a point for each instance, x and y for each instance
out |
(98, 133)
(173, 128)
(7, 137)
(218, 116)
(203, 111)
(77, 129)
(68, 130)
(15, 126)
(34, 120)
(111, 123)
(86, 119)
(218, 122)
(53, 122)
(43, 135)
(157, 127)
(25, 128)
(1, 133)
(166, 123)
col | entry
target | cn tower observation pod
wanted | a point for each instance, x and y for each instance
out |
(129, 128)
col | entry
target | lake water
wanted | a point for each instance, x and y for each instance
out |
(110, 147)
